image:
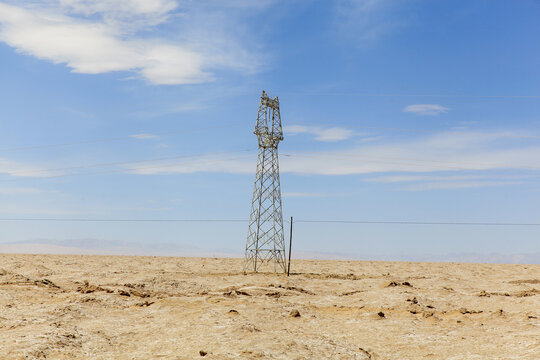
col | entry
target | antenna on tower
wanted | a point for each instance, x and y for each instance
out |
(265, 242)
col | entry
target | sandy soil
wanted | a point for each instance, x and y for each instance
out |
(112, 307)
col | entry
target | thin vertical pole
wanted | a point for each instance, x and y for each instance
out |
(290, 246)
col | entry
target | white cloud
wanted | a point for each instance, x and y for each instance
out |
(203, 163)
(457, 185)
(15, 168)
(426, 109)
(99, 36)
(443, 160)
(421, 182)
(120, 8)
(16, 191)
(31, 210)
(443, 178)
(363, 21)
(143, 136)
(321, 133)
(443, 152)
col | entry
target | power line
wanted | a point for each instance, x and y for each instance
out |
(121, 220)
(296, 221)
(376, 161)
(119, 138)
(135, 169)
(342, 157)
(423, 131)
(347, 157)
(417, 223)
(414, 95)
(29, 173)
(134, 136)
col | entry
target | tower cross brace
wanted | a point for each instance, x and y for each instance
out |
(265, 241)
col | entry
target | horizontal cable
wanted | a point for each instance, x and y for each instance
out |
(131, 171)
(422, 131)
(119, 138)
(311, 93)
(430, 163)
(30, 173)
(121, 220)
(416, 222)
(287, 221)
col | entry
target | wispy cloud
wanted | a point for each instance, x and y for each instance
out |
(444, 152)
(326, 134)
(204, 163)
(450, 185)
(442, 160)
(444, 178)
(32, 210)
(143, 136)
(17, 191)
(363, 21)
(99, 36)
(420, 182)
(16, 168)
(162, 109)
(453, 151)
(426, 109)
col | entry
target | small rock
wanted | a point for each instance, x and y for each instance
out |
(46, 282)
(234, 293)
(145, 304)
(397, 283)
(250, 328)
(139, 293)
(381, 314)
(202, 353)
(294, 313)
(233, 312)
(123, 292)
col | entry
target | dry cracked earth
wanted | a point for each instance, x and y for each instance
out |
(114, 307)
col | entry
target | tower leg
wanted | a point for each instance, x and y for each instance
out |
(265, 242)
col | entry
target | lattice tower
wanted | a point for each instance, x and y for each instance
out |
(265, 244)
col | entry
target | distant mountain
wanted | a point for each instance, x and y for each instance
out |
(106, 247)
(91, 246)
(527, 258)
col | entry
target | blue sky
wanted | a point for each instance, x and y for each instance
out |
(393, 111)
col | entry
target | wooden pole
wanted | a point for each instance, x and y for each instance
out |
(290, 246)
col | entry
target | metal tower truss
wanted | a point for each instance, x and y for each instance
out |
(265, 244)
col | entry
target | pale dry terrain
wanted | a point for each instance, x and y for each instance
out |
(113, 307)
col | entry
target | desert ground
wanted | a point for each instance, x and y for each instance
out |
(114, 307)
